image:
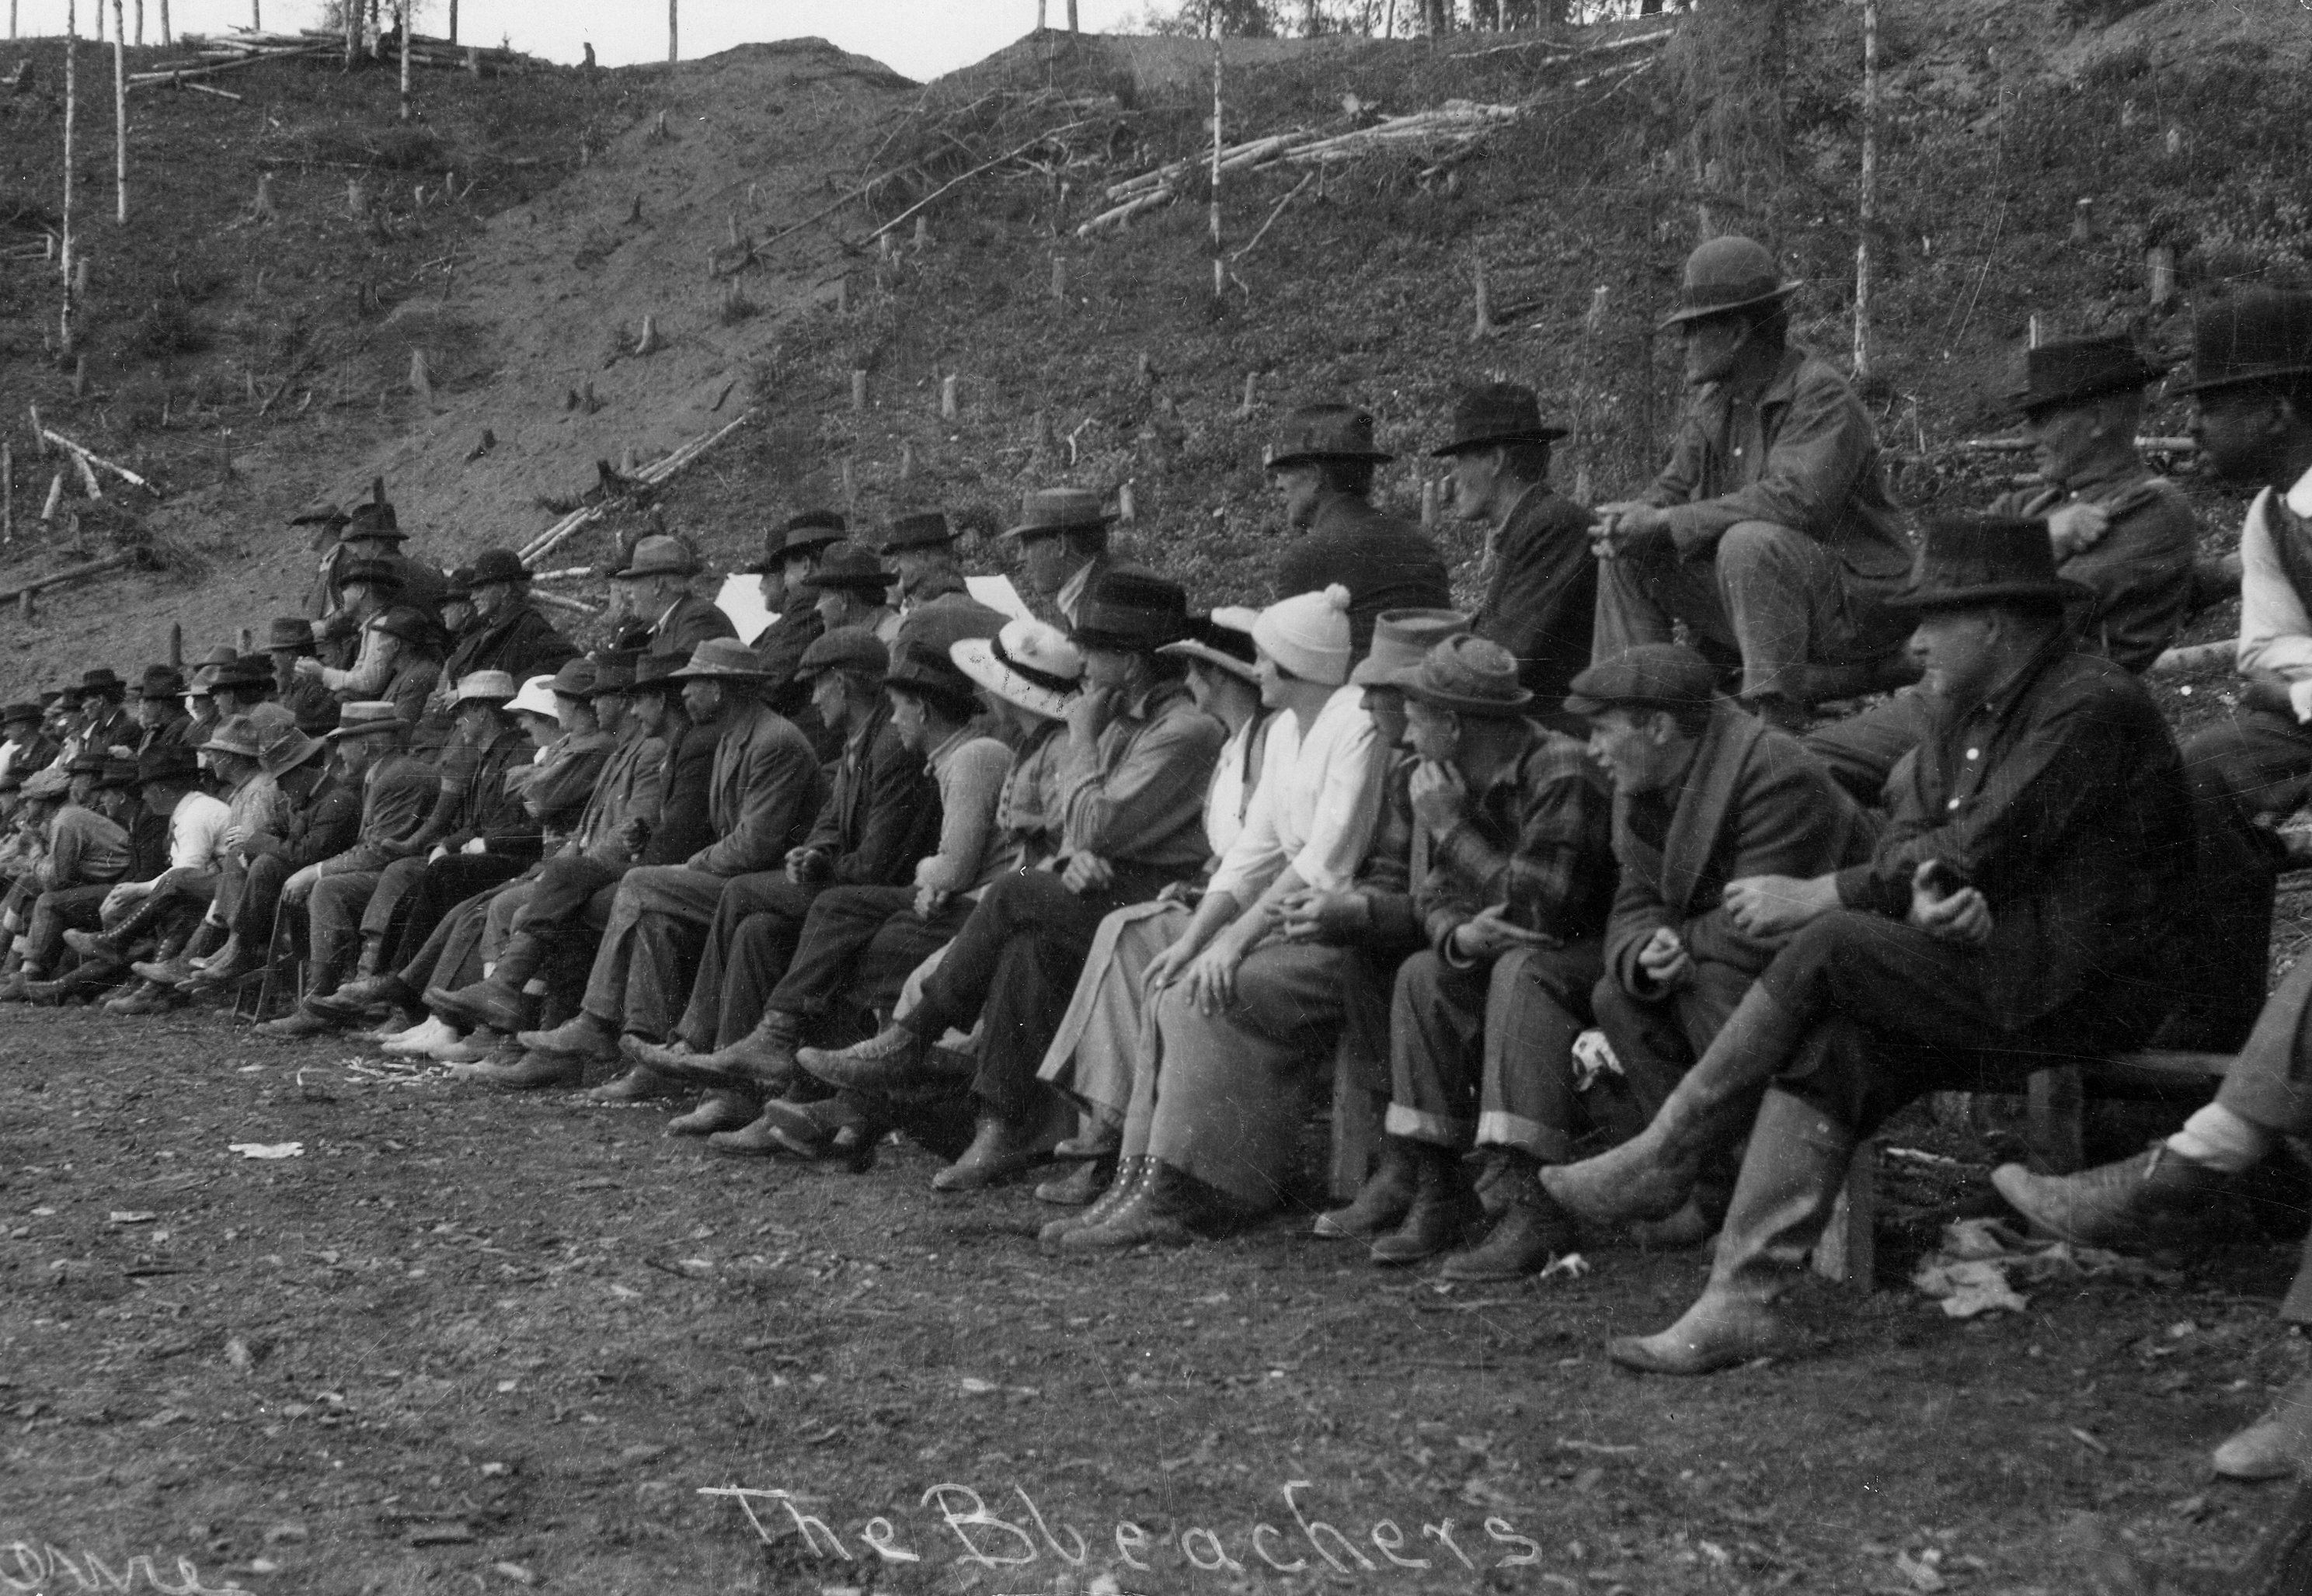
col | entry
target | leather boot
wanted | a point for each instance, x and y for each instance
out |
(717, 1111)
(2276, 1445)
(172, 960)
(228, 965)
(638, 1084)
(141, 998)
(1130, 1174)
(534, 1071)
(892, 1060)
(765, 1055)
(364, 994)
(1169, 1209)
(1099, 1139)
(672, 1060)
(1651, 1175)
(495, 1001)
(477, 1046)
(1791, 1177)
(297, 1025)
(1380, 1205)
(1440, 1213)
(1086, 1179)
(1531, 1230)
(582, 1036)
(1000, 1149)
(2121, 1205)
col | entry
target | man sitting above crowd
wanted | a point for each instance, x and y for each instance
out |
(1322, 461)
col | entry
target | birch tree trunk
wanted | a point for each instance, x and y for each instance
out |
(1219, 267)
(673, 35)
(119, 113)
(405, 60)
(1866, 209)
(167, 37)
(72, 106)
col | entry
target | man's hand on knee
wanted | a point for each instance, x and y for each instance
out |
(1775, 908)
(1622, 527)
(1950, 914)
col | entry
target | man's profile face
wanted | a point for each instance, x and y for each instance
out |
(1712, 344)
(1956, 649)
(1300, 487)
(702, 698)
(2238, 431)
(1638, 747)
(1434, 734)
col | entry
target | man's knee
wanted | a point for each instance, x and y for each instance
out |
(1749, 546)
(1419, 980)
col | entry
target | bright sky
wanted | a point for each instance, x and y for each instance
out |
(919, 38)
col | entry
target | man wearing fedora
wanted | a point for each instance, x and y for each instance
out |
(509, 632)
(306, 697)
(169, 782)
(374, 532)
(851, 584)
(160, 710)
(1540, 584)
(763, 791)
(106, 725)
(2123, 531)
(1062, 542)
(655, 589)
(1770, 532)
(1512, 839)
(784, 574)
(2017, 912)
(936, 608)
(83, 853)
(1322, 461)
(29, 745)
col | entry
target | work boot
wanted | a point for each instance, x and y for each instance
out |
(2276, 1445)
(534, 1071)
(1168, 1209)
(1379, 1204)
(1651, 1175)
(297, 1025)
(675, 1060)
(1100, 1138)
(1443, 1209)
(782, 1129)
(1130, 1174)
(892, 1060)
(637, 1084)
(172, 960)
(582, 1036)
(97, 946)
(1000, 1149)
(228, 965)
(1531, 1230)
(717, 1111)
(424, 1040)
(203, 961)
(497, 1001)
(141, 998)
(1086, 1179)
(365, 993)
(1790, 1176)
(2122, 1206)
(765, 1055)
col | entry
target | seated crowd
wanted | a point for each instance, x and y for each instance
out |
(1551, 893)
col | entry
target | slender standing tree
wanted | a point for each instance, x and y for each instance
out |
(119, 115)
(1867, 210)
(673, 36)
(72, 106)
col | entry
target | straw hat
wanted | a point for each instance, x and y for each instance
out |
(1029, 663)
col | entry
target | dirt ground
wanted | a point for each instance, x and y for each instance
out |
(465, 1340)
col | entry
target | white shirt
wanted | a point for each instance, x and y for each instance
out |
(1230, 796)
(2275, 631)
(197, 831)
(1316, 807)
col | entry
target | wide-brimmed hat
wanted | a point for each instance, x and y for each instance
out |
(1323, 432)
(1131, 610)
(2073, 370)
(850, 569)
(289, 632)
(923, 529)
(659, 557)
(374, 520)
(1648, 676)
(366, 717)
(805, 533)
(498, 565)
(237, 735)
(1726, 274)
(723, 659)
(1048, 512)
(1494, 414)
(169, 763)
(1401, 640)
(284, 748)
(13, 713)
(614, 671)
(656, 671)
(410, 626)
(536, 697)
(575, 679)
(119, 772)
(88, 761)
(1222, 638)
(2251, 337)
(1470, 676)
(845, 648)
(102, 681)
(251, 670)
(487, 686)
(48, 782)
(160, 681)
(1029, 663)
(1969, 560)
(321, 512)
(369, 574)
(927, 670)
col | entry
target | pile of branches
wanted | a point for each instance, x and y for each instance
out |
(246, 47)
(1045, 132)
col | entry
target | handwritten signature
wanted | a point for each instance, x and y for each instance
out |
(41, 1569)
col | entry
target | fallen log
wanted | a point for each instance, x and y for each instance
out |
(557, 601)
(657, 472)
(2015, 445)
(2196, 657)
(87, 456)
(76, 574)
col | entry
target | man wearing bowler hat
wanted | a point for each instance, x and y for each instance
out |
(784, 573)
(1322, 461)
(1063, 542)
(2018, 912)
(1770, 532)
(1541, 586)
(654, 585)
(2117, 528)
(936, 608)
(2251, 377)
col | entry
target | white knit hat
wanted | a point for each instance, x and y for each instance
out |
(1308, 634)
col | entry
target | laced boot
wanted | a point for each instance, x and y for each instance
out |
(765, 1055)
(1131, 1173)
(2124, 1206)
(222, 968)
(637, 1084)
(139, 997)
(1531, 1230)
(1442, 1208)
(1168, 1209)
(172, 960)
(1000, 1148)
(497, 1000)
(582, 1035)
(366, 994)
(1651, 1175)
(1790, 1176)
(717, 1111)
(892, 1060)
(1379, 1204)
(2276, 1445)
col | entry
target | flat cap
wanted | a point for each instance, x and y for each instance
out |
(1651, 676)
(846, 648)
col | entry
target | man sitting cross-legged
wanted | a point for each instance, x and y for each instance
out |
(765, 783)
(2017, 913)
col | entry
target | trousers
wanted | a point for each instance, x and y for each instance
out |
(856, 948)
(650, 947)
(757, 921)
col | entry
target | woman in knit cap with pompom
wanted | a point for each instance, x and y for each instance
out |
(1237, 1005)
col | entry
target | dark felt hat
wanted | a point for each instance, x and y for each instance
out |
(805, 533)
(369, 574)
(284, 748)
(614, 670)
(120, 772)
(659, 557)
(930, 672)
(374, 520)
(253, 670)
(102, 681)
(1049, 511)
(1726, 274)
(1649, 676)
(409, 625)
(238, 735)
(2251, 337)
(2073, 370)
(576, 679)
(88, 761)
(169, 763)
(1323, 432)
(848, 568)
(924, 530)
(160, 681)
(1494, 413)
(457, 585)
(846, 648)
(1132, 610)
(498, 565)
(16, 713)
(654, 671)
(1470, 675)
(289, 632)
(723, 659)
(1969, 560)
